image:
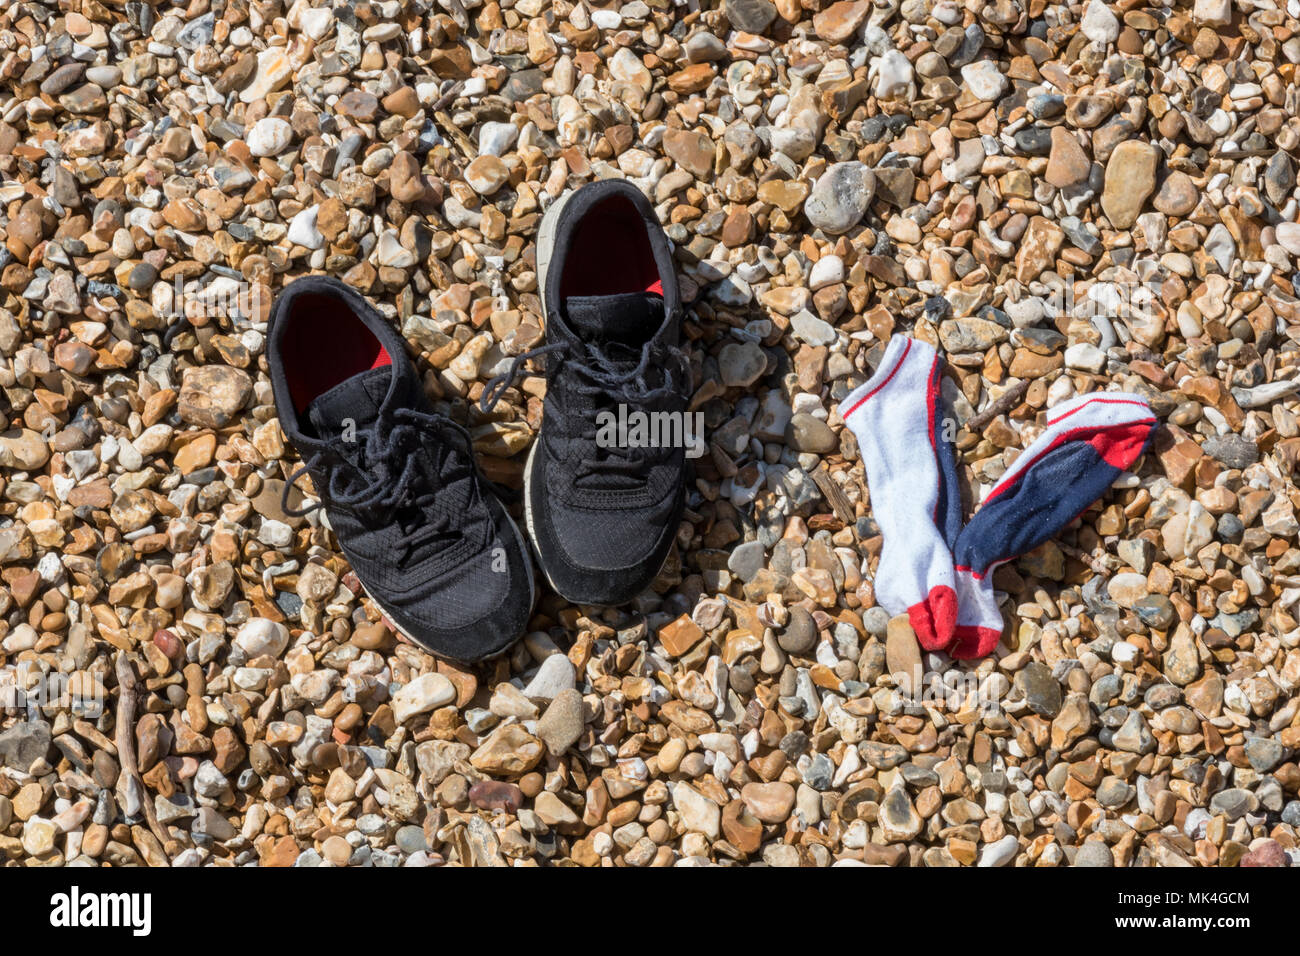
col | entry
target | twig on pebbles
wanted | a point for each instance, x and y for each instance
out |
(453, 133)
(1098, 565)
(133, 794)
(833, 494)
(442, 102)
(1003, 403)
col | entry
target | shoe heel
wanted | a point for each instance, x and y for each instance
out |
(546, 242)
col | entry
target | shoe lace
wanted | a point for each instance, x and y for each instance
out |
(601, 376)
(381, 476)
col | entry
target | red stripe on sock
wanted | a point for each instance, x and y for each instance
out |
(934, 618)
(892, 372)
(1120, 447)
(1096, 401)
(971, 642)
(931, 402)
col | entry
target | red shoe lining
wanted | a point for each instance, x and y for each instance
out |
(323, 345)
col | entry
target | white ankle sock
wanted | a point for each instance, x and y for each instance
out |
(911, 476)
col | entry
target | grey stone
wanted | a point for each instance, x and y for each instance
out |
(24, 743)
(752, 16)
(1094, 853)
(555, 675)
(741, 363)
(840, 198)
(1232, 450)
(1041, 690)
(1134, 736)
(1114, 793)
(1233, 803)
(746, 560)
(806, 433)
(800, 634)
(1265, 753)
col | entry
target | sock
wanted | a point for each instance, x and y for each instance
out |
(912, 476)
(1089, 441)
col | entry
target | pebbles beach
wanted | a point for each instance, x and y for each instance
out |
(1061, 197)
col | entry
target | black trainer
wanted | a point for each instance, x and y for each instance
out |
(426, 536)
(603, 515)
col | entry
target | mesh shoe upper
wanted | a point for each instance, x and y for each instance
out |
(603, 513)
(423, 532)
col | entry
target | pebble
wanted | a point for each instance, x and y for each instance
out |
(998, 853)
(769, 802)
(425, 693)
(840, 197)
(903, 653)
(23, 743)
(560, 727)
(1042, 692)
(269, 137)
(984, 80)
(1177, 195)
(810, 434)
(800, 633)
(1232, 450)
(752, 16)
(553, 677)
(899, 820)
(1098, 24)
(1094, 853)
(741, 363)
(303, 231)
(699, 814)
(486, 174)
(1288, 236)
(1067, 163)
(211, 395)
(261, 637)
(1130, 179)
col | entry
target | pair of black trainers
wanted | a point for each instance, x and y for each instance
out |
(425, 533)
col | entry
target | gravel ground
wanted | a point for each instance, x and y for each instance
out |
(1062, 197)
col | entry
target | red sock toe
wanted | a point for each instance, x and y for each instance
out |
(972, 642)
(934, 619)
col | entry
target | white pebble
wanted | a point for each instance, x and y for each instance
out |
(270, 136)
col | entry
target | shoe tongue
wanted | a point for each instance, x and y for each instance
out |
(356, 399)
(628, 318)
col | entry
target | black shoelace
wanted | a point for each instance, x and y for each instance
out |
(399, 487)
(606, 378)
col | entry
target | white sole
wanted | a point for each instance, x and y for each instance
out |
(528, 520)
(545, 245)
(532, 596)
